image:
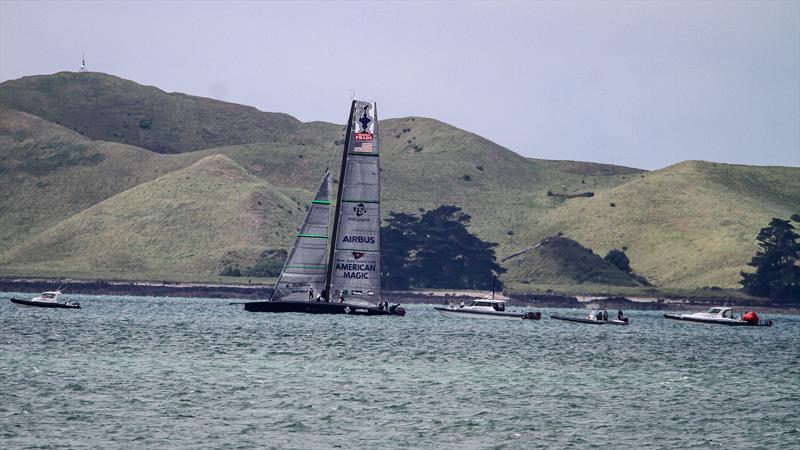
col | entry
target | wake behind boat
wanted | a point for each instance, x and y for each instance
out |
(342, 275)
(486, 309)
(47, 300)
(720, 315)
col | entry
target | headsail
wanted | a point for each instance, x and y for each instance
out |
(355, 255)
(306, 267)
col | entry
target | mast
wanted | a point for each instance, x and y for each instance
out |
(336, 210)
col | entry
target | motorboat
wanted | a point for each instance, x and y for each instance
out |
(596, 317)
(50, 299)
(721, 315)
(486, 309)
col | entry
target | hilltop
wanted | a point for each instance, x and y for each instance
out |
(140, 170)
(563, 261)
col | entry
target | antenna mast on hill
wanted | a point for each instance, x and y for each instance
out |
(83, 64)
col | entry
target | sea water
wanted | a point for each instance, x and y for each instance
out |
(128, 372)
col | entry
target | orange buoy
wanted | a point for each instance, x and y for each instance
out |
(750, 317)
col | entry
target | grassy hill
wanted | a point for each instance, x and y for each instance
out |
(562, 261)
(691, 224)
(163, 228)
(108, 108)
(79, 150)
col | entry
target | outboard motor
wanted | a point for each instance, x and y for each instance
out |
(397, 310)
(532, 315)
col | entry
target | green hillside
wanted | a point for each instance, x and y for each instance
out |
(76, 153)
(189, 222)
(692, 224)
(48, 173)
(108, 108)
(562, 261)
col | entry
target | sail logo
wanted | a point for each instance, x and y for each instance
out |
(358, 255)
(364, 117)
(359, 239)
(356, 271)
(360, 209)
(363, 136)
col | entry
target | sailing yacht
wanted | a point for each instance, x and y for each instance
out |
(339, 272)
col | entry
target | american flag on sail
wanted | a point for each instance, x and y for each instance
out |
(363, 147)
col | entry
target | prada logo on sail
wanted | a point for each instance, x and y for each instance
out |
(359, 239)
(363, 136)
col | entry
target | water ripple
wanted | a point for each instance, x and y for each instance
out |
(188, 373)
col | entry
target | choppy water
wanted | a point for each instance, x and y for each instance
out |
(127, 372)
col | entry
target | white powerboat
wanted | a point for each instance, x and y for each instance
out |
(486, 309)
(47, 300)
(720, 315)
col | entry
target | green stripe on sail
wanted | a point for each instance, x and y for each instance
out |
(360, 201)
(320, 236)
(362, 154)
(321, 202)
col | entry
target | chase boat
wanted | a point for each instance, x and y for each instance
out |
(486, 309)
(596, 317)
(47, 300)
(721, 315)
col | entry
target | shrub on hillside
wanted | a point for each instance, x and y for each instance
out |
(619, 259)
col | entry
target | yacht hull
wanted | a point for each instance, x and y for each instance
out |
(21, 302)
(322, 308)
(497, 315)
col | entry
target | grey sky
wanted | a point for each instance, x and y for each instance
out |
(633, 83)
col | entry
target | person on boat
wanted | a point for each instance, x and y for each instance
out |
(619, 315)
(310, 294)
(592, 315)
(605, 315)
(341, 297)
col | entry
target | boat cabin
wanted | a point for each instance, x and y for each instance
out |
(497, 305)
(50, 297)
(719, 311)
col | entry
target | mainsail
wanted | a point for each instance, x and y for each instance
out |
(306, 267)
(354, 266)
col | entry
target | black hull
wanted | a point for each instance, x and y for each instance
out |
(44, 304)
(322, 308)
(766, 323)
(590, 321)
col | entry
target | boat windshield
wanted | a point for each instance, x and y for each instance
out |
(728, 313)
(714, 310)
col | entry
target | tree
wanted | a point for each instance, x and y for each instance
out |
(435, 250)
(619, 259)
(777, 274)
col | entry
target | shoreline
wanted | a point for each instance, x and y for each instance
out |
(261, 292)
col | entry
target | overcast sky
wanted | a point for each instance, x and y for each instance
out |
(633, 83)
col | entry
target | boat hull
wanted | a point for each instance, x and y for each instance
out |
(497, 315)
(590, 321)
(322, 308)
(32, 303)
(730, 323)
